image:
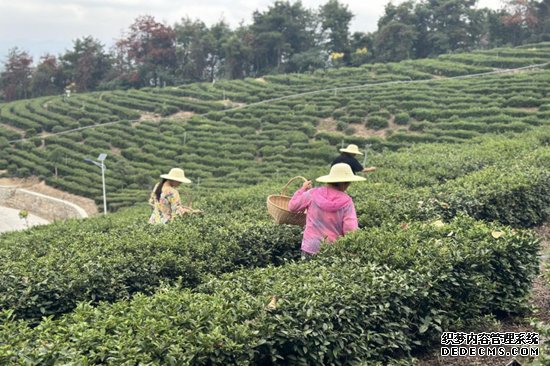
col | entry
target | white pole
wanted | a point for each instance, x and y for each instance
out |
(104, 194)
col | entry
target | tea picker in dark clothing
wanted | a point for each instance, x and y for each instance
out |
(348, 157)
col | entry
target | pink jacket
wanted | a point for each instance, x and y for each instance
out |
(330, 214)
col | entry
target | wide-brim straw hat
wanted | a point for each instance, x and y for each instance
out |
(176, 174)
(352, 149)
(340, 173)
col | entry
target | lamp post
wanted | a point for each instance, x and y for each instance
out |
(101, 163)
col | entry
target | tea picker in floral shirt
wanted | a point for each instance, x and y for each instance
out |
(165, 198)
(330, 210)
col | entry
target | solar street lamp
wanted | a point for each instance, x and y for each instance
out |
(101, 163)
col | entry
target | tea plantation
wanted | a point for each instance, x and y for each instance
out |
(234, 133)
(463, 174)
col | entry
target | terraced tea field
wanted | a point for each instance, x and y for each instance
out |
(234, 133)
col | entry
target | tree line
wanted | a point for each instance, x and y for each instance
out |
(285, 38)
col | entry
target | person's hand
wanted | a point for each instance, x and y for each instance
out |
(369, 169)
(307, 185)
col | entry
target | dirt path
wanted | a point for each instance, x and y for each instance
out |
(540, 301)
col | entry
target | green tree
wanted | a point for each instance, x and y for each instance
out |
(147, 55)
(199, 49)
(238, 50)
(524, 21)
(361, 45)
(451, 25)
(280, 32)
(192, 49)
(47, 77)
(335, 18)
(394, 41)
(418, 29)
(15, 80)
(86, 64)
(397, 32)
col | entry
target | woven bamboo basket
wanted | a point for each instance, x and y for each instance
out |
(277, 207)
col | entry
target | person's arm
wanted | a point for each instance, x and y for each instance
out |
(173, 198)
(369, 169)
(356, 166)
(350, 219)
(301, 198)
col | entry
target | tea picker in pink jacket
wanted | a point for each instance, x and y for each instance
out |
(330, 211)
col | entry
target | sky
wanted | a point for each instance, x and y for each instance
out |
(51, 26)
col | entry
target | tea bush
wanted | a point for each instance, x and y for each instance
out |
(342, 307)
(49, 270)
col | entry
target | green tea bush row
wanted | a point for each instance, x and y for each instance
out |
(47, 273)
(513, 194)
(343, 307)
(121, 111)
(7, 117)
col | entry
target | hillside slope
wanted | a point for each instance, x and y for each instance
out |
(235, 133)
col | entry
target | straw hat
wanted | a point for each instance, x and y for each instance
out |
(176, 174)
(340, 173)
(352, 149)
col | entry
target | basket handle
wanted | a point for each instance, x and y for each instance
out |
(283, 191)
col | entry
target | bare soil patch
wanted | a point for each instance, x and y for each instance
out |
(155, 117)
(229, 103)
(181, 115)
(115, 150)
(149, 116)
(329, 125)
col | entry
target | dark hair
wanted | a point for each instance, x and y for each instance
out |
(340, 185)
(158, 190)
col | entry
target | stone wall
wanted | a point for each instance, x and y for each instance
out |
(47, 207)
(6, 193)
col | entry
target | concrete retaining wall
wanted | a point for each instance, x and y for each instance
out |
(47, 207)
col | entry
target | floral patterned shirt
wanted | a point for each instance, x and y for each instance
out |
(167, 207)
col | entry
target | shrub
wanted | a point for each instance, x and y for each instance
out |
(402, 118)
(349, 131)
(354, 302)
(114, 264)
(521, 199)
(377, 123)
